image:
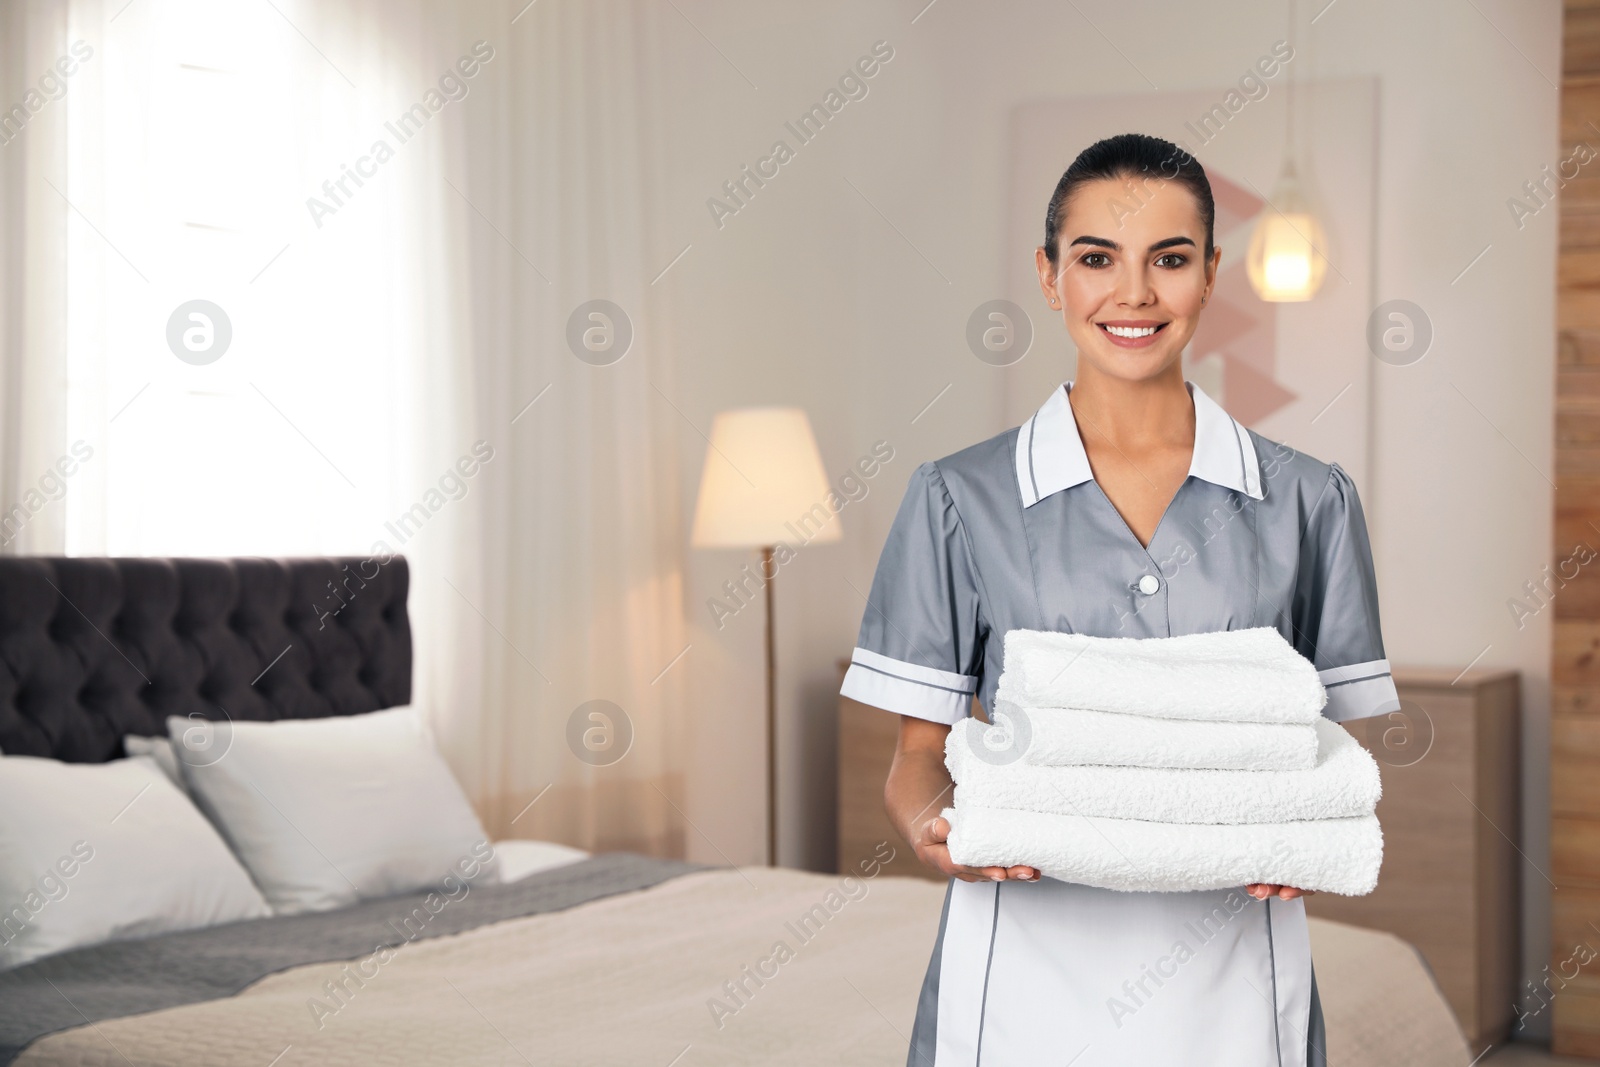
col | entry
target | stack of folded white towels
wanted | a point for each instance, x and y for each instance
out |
(1165, 765)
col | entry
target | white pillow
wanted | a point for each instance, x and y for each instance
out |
(326, 812)
(92, 852)
(160, 750)
(518, 859)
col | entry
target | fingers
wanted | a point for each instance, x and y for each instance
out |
(936, 854)
(1002, 874)
(936, 831)
(1263, 890)
(981, 874)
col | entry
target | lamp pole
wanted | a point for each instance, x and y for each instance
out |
(778, 475)
(769, 575)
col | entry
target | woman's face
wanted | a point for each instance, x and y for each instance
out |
(1130, 275)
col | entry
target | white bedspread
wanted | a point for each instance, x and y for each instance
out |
(631, 979)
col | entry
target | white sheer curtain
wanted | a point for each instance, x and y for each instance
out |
(399, 377)
(33, 220)
(577, 590)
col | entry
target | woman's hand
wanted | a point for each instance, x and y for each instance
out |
(918, 786)
(1263, 890)
(932, 850)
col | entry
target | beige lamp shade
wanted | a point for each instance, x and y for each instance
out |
(763, 483)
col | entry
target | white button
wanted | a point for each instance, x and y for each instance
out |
(1149, 584)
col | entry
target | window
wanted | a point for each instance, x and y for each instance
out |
(194, 146)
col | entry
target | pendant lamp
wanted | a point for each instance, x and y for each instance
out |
(1285, 262)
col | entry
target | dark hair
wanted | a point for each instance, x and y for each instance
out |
(1130, 156)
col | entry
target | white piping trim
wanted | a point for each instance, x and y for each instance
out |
(862, 683)
(963, 965)
(1362, 700)
(1024, 472)
(961, 683)
(1291, 970)
(1252, 463)
(1354, 671)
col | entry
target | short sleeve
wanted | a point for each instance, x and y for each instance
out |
(919, 652)
(1336, 606)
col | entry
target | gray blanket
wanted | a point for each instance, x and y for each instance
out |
(130, 977)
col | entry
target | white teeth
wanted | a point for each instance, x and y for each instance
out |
(1131, 331)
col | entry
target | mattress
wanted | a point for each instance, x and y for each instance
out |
(695, 966)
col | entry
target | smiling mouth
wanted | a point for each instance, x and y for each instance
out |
(1131, 335)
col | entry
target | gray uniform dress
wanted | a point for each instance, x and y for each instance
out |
(1014, 533)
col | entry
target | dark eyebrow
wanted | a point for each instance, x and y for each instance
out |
(1101, 242)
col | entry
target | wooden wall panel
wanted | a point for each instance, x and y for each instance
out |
(1568, 989)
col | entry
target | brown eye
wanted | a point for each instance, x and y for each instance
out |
(1171, 261)
(1096, 260)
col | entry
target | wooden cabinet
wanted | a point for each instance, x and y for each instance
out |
(1451, 823)
(1451, 820)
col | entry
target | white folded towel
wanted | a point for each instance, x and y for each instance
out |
(1344, 783)
(1062, 737)
(1330, 855)
(1249, 675)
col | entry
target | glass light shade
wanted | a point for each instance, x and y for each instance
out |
(1284, 261)
(763, 483)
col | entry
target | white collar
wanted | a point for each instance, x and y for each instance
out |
(1050, 454)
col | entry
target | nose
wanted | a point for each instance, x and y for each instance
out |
(1133, 287)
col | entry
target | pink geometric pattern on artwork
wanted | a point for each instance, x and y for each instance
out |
(1258, 345)
(1226, 317)
(1239, 327)
(1236, 205)
(1252, 396)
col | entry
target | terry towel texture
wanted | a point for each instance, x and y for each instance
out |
(1331, 855)
(1063, 737)
(1249, 675)
(1168, 764)
(1343, 784)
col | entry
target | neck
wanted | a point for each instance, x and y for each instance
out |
(1133, 413)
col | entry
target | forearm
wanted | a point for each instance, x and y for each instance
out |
(918, 788)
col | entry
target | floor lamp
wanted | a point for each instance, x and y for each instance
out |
(763, 487)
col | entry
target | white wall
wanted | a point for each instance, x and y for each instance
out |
(810, 296)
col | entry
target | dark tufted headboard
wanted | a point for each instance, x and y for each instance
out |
(92, 648)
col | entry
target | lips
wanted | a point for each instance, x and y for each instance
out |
(1137, 334)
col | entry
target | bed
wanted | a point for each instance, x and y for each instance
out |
(571, 959)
